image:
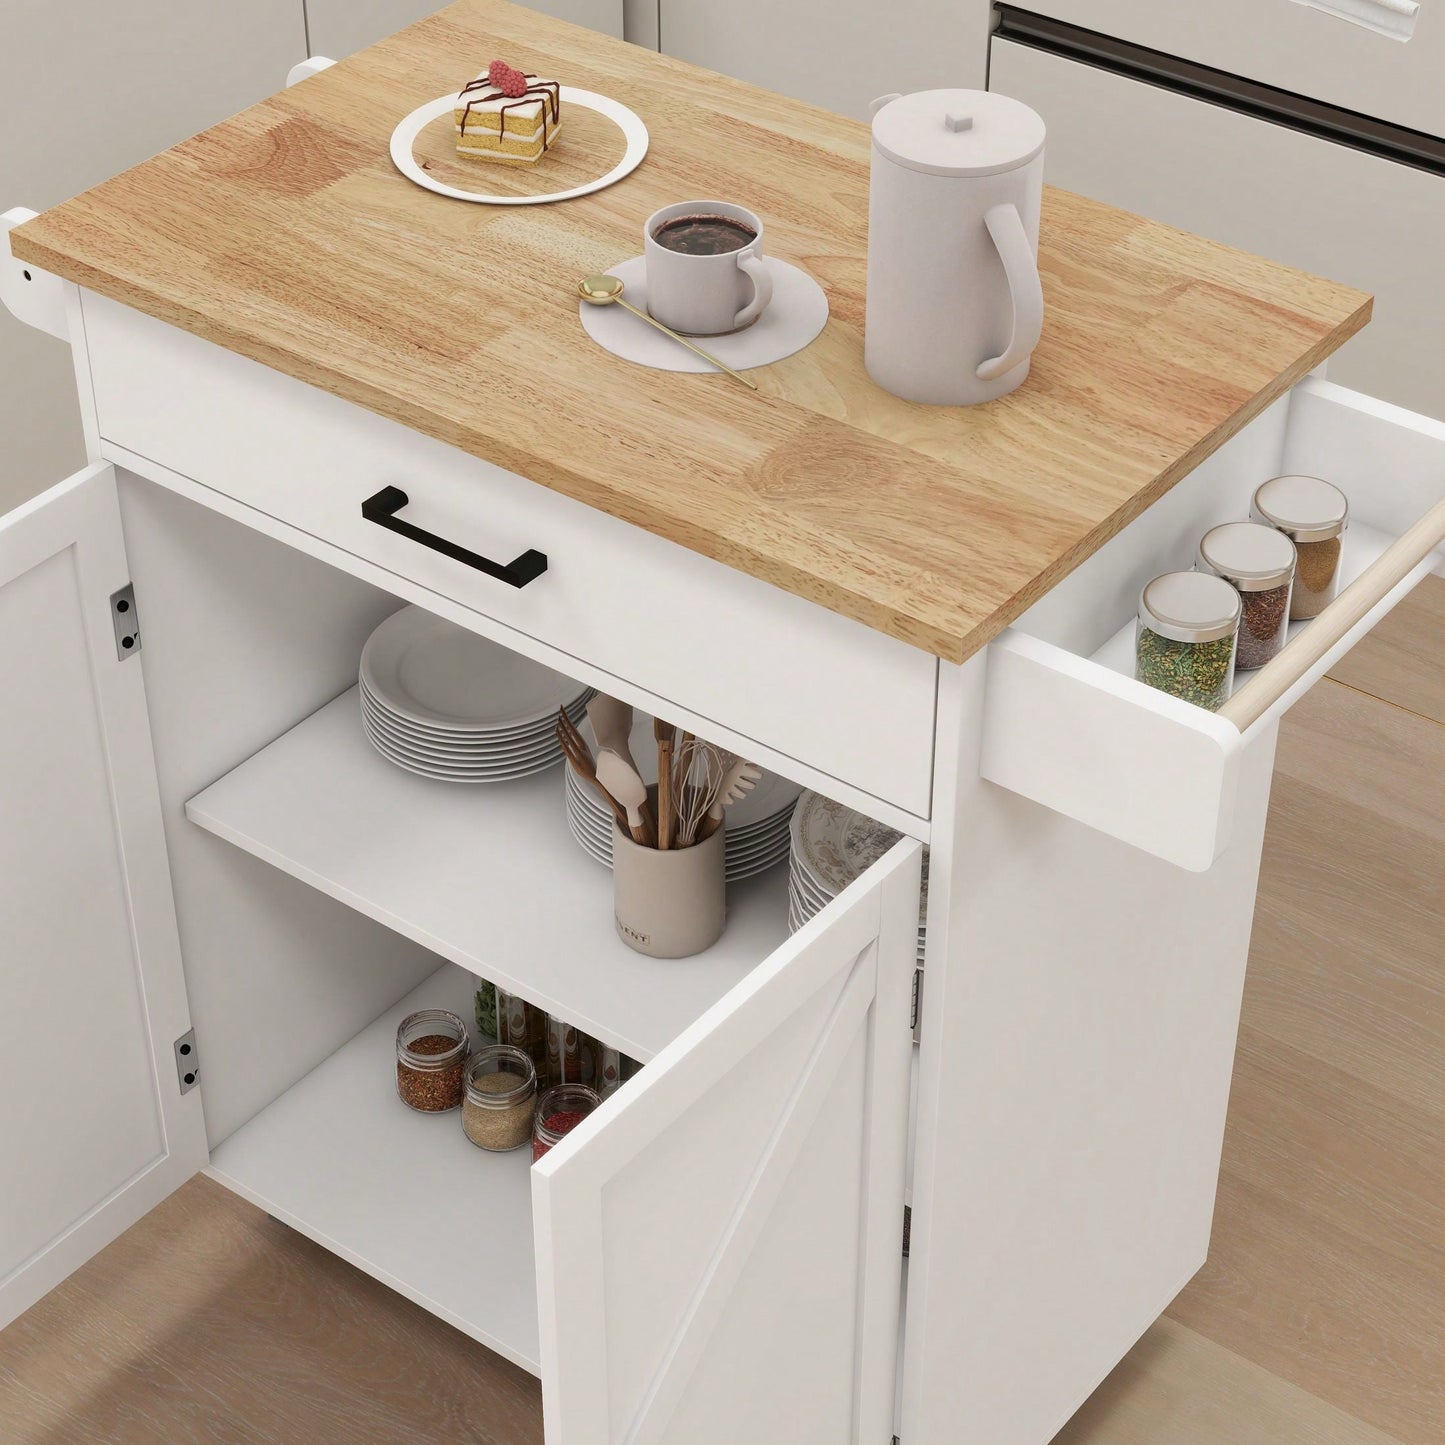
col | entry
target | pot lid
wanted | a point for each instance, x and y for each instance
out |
(958, 132)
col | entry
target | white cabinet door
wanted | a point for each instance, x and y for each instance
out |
(96, 1130)
(1310, 203)
(839, 54)
(338, 28)
(719, 1247)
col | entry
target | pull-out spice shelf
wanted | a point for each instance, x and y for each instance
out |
(1066, 723)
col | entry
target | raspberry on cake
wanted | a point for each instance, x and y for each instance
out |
(508, 116)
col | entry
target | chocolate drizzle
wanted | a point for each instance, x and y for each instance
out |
(549, 92)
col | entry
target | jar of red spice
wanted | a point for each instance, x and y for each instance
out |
(559, 1111)
(431, 1053)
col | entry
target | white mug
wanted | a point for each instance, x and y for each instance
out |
(706, 295)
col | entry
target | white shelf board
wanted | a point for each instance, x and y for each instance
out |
(401, 1195)
(488, 876)
(1362, 545)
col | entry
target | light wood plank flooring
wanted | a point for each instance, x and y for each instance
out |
(1319, 1319)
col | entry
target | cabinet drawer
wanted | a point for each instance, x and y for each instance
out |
(1293, 46)
(1067, 725)
(849, 703)
(1328, 209)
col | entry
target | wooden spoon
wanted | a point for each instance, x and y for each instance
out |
(624, 783)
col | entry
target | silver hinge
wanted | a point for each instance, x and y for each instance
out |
(188, 1061)
(127, 622)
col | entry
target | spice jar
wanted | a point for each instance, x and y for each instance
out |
(524, 1026)
(559, 1111)
(484, 1007)
(500, 1096)
(571, 1055)
(431, 1051)
(1258, 563)
(1313, 514)
(1184, 643)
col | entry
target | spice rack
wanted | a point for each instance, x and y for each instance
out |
(1067, 725)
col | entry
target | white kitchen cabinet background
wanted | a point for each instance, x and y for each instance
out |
(83, 96)
(839, 54)
(338, 28)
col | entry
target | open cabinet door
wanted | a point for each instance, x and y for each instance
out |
(719, 1247)
(96, 1129)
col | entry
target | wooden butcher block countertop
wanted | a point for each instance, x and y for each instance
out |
(286, 235)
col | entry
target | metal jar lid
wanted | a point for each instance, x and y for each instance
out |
(1305, 509)
(1253, 557)
(1189, 607)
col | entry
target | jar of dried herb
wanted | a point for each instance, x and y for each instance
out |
(1313, 514)
(500, 1097)
(1184, 643)
(559, 1112)
(1258, 563)
(431, 1051)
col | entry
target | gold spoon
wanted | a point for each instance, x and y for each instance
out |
(604, 290)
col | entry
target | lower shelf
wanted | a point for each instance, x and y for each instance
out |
(403, 1196)
(488, 877)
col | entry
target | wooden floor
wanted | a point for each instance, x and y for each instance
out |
(1319, 1320)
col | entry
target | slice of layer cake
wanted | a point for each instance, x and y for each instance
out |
(507, 116)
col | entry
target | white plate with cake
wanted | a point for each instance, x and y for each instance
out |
(510, 138)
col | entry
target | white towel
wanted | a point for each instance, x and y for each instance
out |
(1392, 18)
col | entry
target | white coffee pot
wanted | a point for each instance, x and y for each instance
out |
(955, 308)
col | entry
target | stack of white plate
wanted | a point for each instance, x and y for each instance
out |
(757, 825)
(832, 844)
(441, 701)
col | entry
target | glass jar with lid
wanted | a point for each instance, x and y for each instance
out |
(1259, 564)
(559, 1111)
(1184, 642)
(1313, 514)
(431, 1051)
(500, 1097)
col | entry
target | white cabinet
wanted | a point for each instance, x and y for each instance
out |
(1302, 46)
(735, 1212)
(839, 54)
(336, 28)
(1323, 207)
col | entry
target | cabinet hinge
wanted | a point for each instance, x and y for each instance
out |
(188, 1061)
(127, 622)
(917, 1024)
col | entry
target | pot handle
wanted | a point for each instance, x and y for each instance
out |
(1022, 269)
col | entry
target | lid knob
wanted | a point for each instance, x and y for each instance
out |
(958, 120)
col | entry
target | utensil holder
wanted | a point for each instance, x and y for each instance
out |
(668, 904)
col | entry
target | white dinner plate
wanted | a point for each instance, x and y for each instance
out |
(474, 756)
(432, 672)
(488, 739)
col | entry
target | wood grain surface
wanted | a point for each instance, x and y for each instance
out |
(1317, 1321)
(285, 234)
(1396, 663)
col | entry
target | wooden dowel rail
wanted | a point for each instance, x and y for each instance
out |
(1250, 702)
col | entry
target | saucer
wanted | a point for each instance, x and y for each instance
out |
(797, 313)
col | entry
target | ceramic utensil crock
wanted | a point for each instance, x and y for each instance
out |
(672, 902)
(706, 295)
(955, 308)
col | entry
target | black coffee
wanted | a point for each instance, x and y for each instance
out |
(703, 235)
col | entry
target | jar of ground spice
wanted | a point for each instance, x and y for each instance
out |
(1313, 514)
(431, 1052)
(1184, 643)
(559, 1111)
(500, 1095)
(1258, 563)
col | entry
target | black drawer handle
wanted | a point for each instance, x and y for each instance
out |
(383, 507)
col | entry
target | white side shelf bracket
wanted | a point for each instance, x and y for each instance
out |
(30, 295)
(306, 69)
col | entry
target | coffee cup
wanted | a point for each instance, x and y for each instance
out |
(706, 275)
